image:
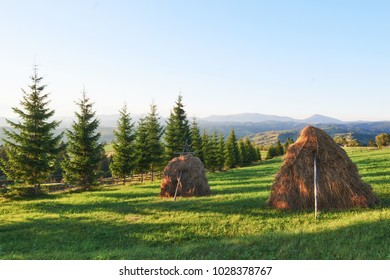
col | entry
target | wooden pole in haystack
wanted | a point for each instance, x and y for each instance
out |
(315, 188)
(177, 186)
(186, 150)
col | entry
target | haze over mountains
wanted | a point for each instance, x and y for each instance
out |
(256, 117)
(253, 125)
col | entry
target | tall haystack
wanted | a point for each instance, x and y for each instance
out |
(338, 181)
(191, 173)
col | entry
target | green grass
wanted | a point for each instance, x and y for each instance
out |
(133, 222)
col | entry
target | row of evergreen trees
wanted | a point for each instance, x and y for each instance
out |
(32, 152)
(279, 149)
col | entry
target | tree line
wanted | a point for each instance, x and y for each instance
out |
(32, 153)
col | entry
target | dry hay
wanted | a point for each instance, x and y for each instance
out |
(339, 183)
(192, 175)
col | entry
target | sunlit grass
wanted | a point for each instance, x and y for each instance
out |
(133, 222)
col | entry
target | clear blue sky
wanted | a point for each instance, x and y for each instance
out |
(292, 58)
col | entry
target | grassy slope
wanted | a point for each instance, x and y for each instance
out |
(132, 222)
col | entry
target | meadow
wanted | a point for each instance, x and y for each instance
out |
(133, 222)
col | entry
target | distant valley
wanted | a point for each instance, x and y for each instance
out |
(263, 129)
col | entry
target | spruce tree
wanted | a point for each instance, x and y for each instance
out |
(124, 157)
(212, 152)
(81, 165)
(31, 146)
(221, 152)
(196, 140)
(232, 156)
(154, 146)
(251, 150)
(279, 149)
(141, 152)
(244, 151)
(177, 130)
(205, 148)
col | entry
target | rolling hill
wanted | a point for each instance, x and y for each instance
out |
(264, 129)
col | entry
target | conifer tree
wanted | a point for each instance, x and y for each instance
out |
(258, 153)
(232, 156)
(243, 152)
(104, 169)
(3, 157)
(279, 149)
(251, 150)
(212, 152)
(206, 148)
(154, 146)
(177, 130)
(141, 152)
(31, 146)
(81, 165)
(288, 142)
(124, 147)
(196, 140)
(221, 152)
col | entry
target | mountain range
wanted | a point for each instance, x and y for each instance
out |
(254, 125)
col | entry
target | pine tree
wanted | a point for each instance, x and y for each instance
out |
(141, 152)
(232, 156)
(83, 149)
(104, 170)
(177, 130)
(251, 150)
(196, 140)
(279, 149)
(206, 148)
(244, 151)
(3, 157)
(288, 142)
(212, 153)
(221, 152)
(124, 147)
(31, 146)
(154, 146)
(258, 153)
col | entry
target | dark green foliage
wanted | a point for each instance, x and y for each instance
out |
(3, 158)
(31, 146)
(142, 154)
(244, 153)
(56, 175)
(288, 142)
(272, 152)
(279, 148)
(196, 140)
(211, 152)
(248, 152)
(275, 151)
(232, 155)
(84, 151)
(221, 152)
(104, 169)
(177, 130)
(124, 158)
(153, 145)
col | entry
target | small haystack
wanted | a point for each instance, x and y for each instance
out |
(338, 181)
(191, 173)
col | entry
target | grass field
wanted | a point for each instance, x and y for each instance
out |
(133, 222)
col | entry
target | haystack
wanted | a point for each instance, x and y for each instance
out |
(190, 170)
(338, 182)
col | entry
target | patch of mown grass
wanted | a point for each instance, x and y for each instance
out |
(133, 222)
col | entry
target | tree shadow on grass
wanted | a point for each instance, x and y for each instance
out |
(359, 241)
(61, 238)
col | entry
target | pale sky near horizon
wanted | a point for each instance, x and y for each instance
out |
(288, 58)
